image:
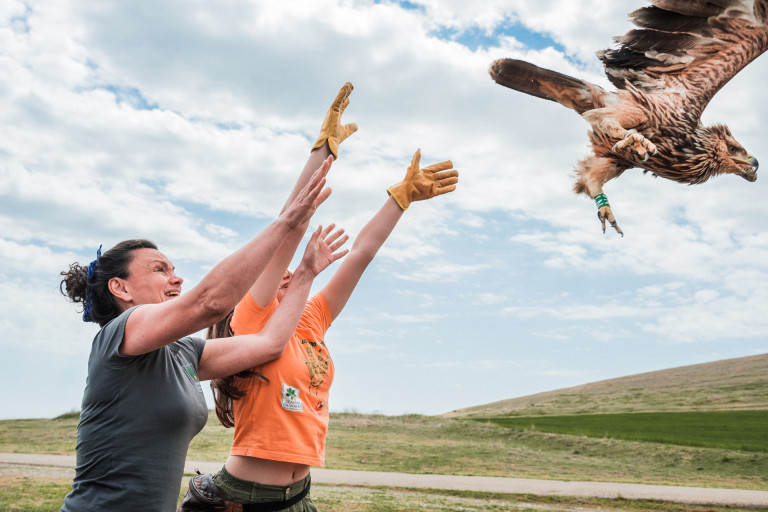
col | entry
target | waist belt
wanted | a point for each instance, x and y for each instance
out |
(271, 506)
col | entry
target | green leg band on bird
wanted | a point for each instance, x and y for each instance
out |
(601, 200)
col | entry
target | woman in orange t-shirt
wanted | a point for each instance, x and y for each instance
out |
(280, 410)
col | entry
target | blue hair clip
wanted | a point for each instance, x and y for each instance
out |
(88, 276)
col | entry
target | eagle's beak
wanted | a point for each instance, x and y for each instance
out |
(748, 167)
(753, 162)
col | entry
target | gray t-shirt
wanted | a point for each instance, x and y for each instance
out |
(138, 416)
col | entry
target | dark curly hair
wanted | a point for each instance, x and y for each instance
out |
(76, 285)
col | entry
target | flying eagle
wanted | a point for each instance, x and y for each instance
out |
(666, 71)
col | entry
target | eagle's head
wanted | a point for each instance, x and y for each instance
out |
(730, 157)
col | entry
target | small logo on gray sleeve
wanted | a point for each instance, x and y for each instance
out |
(192, 374)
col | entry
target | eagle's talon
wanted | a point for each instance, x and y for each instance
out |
(636, 142)
(604, 213)
(623, 142)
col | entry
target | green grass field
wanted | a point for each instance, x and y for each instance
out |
(424, 444)
(435, 445)
(701, 426)
(31, 494)
(732, 430)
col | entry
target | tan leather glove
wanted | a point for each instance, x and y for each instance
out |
(420, 184)
(332, 130)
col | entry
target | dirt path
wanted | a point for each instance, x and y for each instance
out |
(701, 495)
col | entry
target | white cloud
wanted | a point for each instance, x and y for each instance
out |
(186, 123)
(39, 318)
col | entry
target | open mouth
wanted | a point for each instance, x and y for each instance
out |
(749, 174)
(172, 294)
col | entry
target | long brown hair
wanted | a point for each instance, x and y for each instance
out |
(226, 389)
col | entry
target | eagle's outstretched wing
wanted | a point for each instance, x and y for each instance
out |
(692, 47)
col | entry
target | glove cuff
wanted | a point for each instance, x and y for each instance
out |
(332, 145)
(400, 195)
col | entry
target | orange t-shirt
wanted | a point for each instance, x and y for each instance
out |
(286, 419)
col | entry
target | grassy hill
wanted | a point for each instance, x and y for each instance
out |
(462, 445)
(729, 384)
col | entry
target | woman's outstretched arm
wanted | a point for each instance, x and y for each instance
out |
(227, 356)
(326, 148)
(418, 185)
(155, 325)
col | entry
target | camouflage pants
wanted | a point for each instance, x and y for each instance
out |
(223, 492)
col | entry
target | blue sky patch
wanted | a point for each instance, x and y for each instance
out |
(405, 4)
(130, 95)
(21, 23)
(475, 37)
(228, 126)
(410, 6)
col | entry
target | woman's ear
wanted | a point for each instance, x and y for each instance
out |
(117, 287)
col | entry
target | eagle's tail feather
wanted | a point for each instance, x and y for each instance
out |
(545, 83)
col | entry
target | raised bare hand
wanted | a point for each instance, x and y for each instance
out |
(324, 248)
(309, 198)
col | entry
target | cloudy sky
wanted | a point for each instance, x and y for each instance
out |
(186, 122)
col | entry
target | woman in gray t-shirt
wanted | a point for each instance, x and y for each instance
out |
(143, 402)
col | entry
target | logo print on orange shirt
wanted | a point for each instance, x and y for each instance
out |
(290, 400)
(317, 361)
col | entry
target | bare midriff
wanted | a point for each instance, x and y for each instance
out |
(265, 471)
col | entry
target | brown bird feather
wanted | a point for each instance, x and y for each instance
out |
(665, 71)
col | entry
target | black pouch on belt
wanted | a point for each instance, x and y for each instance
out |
(204, 496)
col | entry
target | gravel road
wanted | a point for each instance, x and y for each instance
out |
(62, 465)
